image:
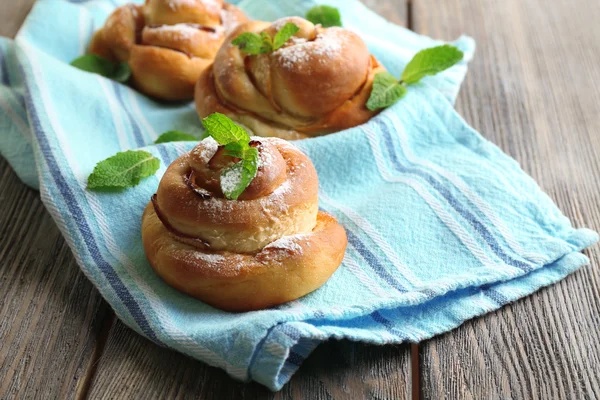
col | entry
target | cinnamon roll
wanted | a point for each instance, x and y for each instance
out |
(317, 83)
(167, 43)
(270, 246)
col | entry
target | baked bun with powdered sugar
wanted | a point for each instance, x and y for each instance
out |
(318, 82)
(269, 246)
(167, 43)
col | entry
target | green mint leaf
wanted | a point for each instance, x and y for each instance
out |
(327, 16)
(224, 130)
(386, 91)
(119, 72)
(430, 62)
(123, 170)
(175, 136)
(267, 45)
(236, 149)
(235, 179)
(251, 43)
(284, 34)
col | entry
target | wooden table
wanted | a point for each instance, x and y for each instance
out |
(532, 89)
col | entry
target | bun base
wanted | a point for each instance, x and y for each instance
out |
(285, 270)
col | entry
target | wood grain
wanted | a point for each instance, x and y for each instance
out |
(51, 318)
(12, 15)
(532, 90)
(134, 368)
(395, 11)
(50, 315)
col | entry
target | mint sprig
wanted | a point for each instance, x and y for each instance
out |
(175, 136)
(96, 64)
(123, 170)
(387, 90)
(235, 179)
(327, 16)
(253, 43)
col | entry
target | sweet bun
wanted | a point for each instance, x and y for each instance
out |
(167, 43)
(270, 246)
(317, 83)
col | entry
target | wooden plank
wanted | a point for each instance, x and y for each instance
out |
(52, 321)
(395, 11)
(51, 318)
(134, 368)
(12, 15)
(532, 90)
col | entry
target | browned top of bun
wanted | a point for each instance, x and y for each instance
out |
(171, 12)
(318, 82)
(282, 198)
(167, 43)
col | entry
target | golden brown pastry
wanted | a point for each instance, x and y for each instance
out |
(317, 83)
(270, 246)
(167, 43)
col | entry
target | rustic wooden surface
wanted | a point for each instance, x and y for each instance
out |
(531, 89)
(51, 317)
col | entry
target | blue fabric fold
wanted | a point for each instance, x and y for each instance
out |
(442, 225)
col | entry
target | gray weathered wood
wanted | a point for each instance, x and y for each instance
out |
(52, 320)
(532, 89)
(12, 14)
(395, 11)
(134, 368)
(51, 317)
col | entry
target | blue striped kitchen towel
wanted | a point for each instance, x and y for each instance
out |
(442, 225)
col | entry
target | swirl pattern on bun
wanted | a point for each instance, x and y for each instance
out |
(270, 246)
(317, 83)
(167, 43)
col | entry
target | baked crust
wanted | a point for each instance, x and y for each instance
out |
(318, 83)
(267, 248)
(167, 43)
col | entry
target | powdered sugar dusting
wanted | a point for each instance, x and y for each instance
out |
(185, 30)
(287, 243)
(212, 258)
(265, 160)
(230, 179)
(280, 23)
(229, 19)
(328, 45)
(211, 5)
(206, 150)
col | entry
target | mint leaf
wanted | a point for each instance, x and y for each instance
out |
(224, 130)
(284, 34)
(236, 149)
(251, 43)
(327, 16)
(119, 72)
(267, 45)
(430, 62)
(175, 136)
(235, 179)
(386, 91)
(123, 170)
